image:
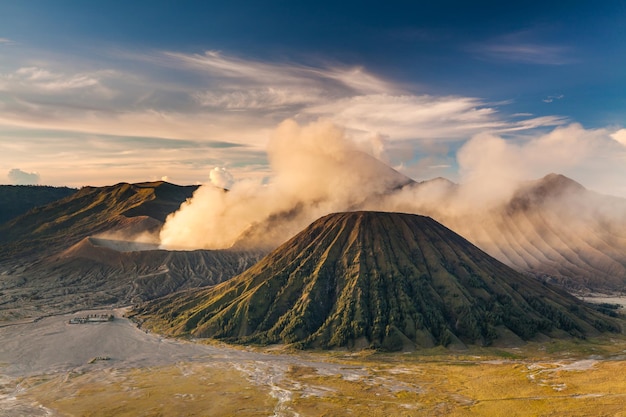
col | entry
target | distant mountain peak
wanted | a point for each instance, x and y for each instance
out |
(551, 187)
(554, 181)
(439, 180)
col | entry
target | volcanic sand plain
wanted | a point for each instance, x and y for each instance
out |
(51, 367)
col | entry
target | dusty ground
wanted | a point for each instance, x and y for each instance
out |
(597, 298)
(45, 369)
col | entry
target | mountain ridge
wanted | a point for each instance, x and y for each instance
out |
(16, 200)
(127, 208)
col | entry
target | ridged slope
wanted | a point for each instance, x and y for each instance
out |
(371, 279)
(556, 229)
(138, 275)
(89, 275)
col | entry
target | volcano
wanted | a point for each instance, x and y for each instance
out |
(375, 280)
(99, 246)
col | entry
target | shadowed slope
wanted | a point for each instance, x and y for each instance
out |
(369, 279)
(18, 199)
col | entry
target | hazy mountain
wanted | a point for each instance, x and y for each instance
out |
(555, 229)
(371, 279)
(18, 199)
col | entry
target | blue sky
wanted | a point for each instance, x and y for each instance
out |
(102, 92)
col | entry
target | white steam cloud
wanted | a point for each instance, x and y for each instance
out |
(19, 177)
(221, 178)
(318, 169)
(591, 156)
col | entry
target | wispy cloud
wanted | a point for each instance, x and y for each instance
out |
(533, 123)
(523, 47)
(410, 116)
(5, 41)
(211, 98)
(550, 99)
(43, 79)
(78, 159)
(243, 73)
(268, 98)
(526, 53)
(26, 83)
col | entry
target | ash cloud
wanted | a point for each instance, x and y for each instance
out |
(19, 177)
(318, 169)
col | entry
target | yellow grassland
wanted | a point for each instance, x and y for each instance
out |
(560, 378)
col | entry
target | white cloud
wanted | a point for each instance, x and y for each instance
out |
(268, 98)
(550, 99)
(532, 123)
(239, 100)
(410, 116)
(232, 71)
(620, 136)
(221, 178)
(19, 177)
(590, 156)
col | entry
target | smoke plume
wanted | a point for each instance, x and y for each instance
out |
(317, 169)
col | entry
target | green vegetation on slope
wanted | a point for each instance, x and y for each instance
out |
(379, 280)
